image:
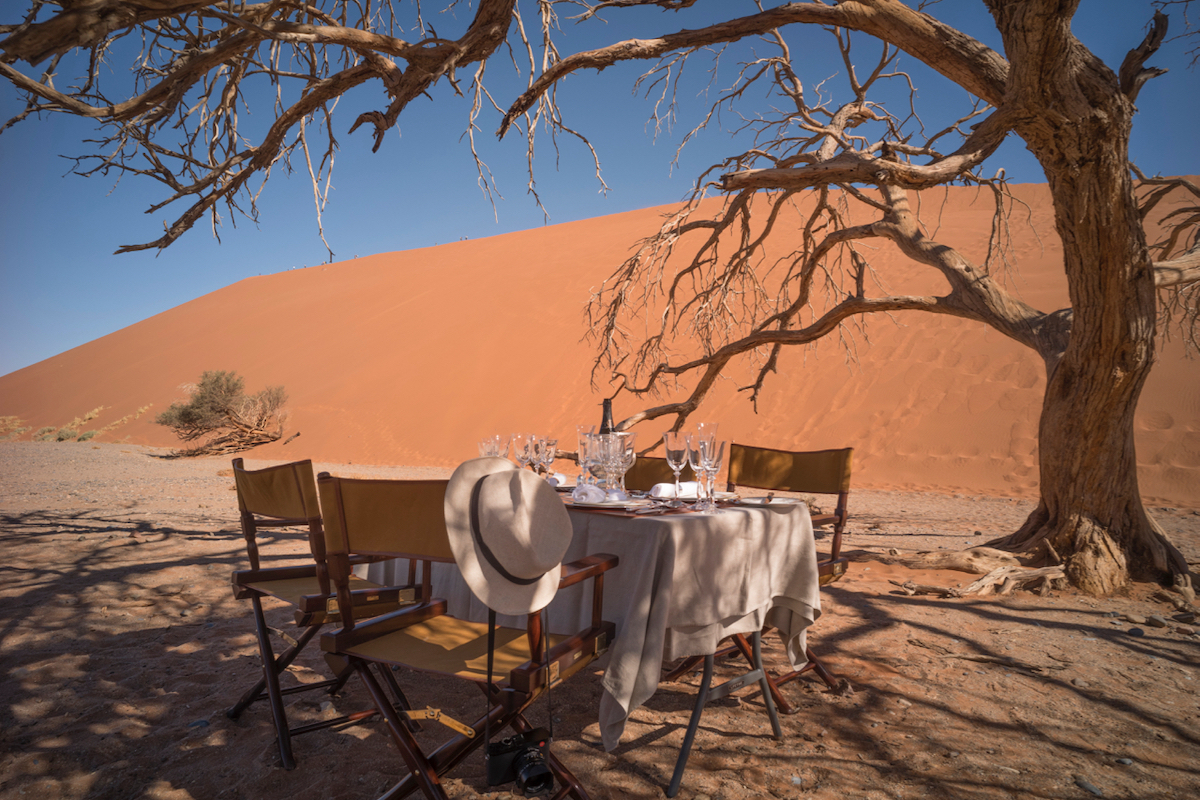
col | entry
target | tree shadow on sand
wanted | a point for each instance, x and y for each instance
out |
(123, 647)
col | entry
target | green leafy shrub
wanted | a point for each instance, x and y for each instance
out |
(44, 434)
(65, 433)
(83, 437)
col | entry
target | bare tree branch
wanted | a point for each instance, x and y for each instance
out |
(1133, 72)
(971, 64)
(198, 60)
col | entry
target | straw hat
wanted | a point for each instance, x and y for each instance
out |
(509, 532)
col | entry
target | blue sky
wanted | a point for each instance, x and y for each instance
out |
(61, 285)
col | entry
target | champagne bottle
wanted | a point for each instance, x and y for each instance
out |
(606, 422)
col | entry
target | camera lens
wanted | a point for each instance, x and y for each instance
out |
(533, 776)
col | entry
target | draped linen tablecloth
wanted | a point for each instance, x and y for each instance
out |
(685, 582)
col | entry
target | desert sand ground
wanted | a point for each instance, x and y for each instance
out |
(122, 647)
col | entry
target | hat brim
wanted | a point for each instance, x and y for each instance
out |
(485, 582)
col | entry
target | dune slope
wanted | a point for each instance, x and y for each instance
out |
(410, 357)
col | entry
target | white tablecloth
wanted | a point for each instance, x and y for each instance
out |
(685, 582)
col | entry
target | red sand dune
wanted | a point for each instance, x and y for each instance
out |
(411, 357)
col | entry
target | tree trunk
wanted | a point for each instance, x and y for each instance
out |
(1091, 509)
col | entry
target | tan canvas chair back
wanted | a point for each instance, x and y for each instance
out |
(817, 471)
(367, 521)
(287, 491)
(278, 497)
(813, 472)
(384, 518)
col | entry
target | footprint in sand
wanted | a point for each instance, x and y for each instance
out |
(976, 364)
(1155, 421)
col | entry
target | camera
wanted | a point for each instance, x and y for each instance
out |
(521, 758)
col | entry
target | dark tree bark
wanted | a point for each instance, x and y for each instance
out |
(1072, 113)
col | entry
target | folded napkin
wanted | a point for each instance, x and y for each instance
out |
(616, 496)
(585, 493)
(557, 479)
(688, 490)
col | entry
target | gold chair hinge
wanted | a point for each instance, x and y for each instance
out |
(436, 715)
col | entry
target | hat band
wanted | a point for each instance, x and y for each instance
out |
(488, 555)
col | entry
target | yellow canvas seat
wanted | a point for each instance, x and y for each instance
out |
(285, 496)
(405, 519)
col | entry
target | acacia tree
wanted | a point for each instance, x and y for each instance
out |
(1072, 112)
(177, 122)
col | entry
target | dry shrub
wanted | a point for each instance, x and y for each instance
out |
(221, 418)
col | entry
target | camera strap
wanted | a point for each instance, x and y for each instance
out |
(491, 651)
(487, 719)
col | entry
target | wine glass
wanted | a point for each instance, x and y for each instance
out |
(627, 454)
(582, 432)
(694, 459)
(493, 446)
(675, 444)
(547, 451)
(522, 444)
(594, 457)
(712, 453)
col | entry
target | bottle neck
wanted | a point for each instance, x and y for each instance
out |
(606, 422)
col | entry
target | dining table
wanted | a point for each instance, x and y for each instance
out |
(685, 582)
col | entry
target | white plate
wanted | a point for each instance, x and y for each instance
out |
(775, 501)
(611, 504)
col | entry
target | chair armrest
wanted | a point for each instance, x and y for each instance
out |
(831, 570)
(586, 567)
(340, 639)
(361, 559)
(564, 659)
(361, 598)
(242, 577)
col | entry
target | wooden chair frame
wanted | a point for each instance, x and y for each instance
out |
(285, 496)
(806, 472)
(509, 696)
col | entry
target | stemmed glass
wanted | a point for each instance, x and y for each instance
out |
(676, 446)
(583, 440)
(712, 453)
(695, 448)
(595, 459)
(522, 444)
(618, 456)
(545, 451)
(496, 446)
(627, 453)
